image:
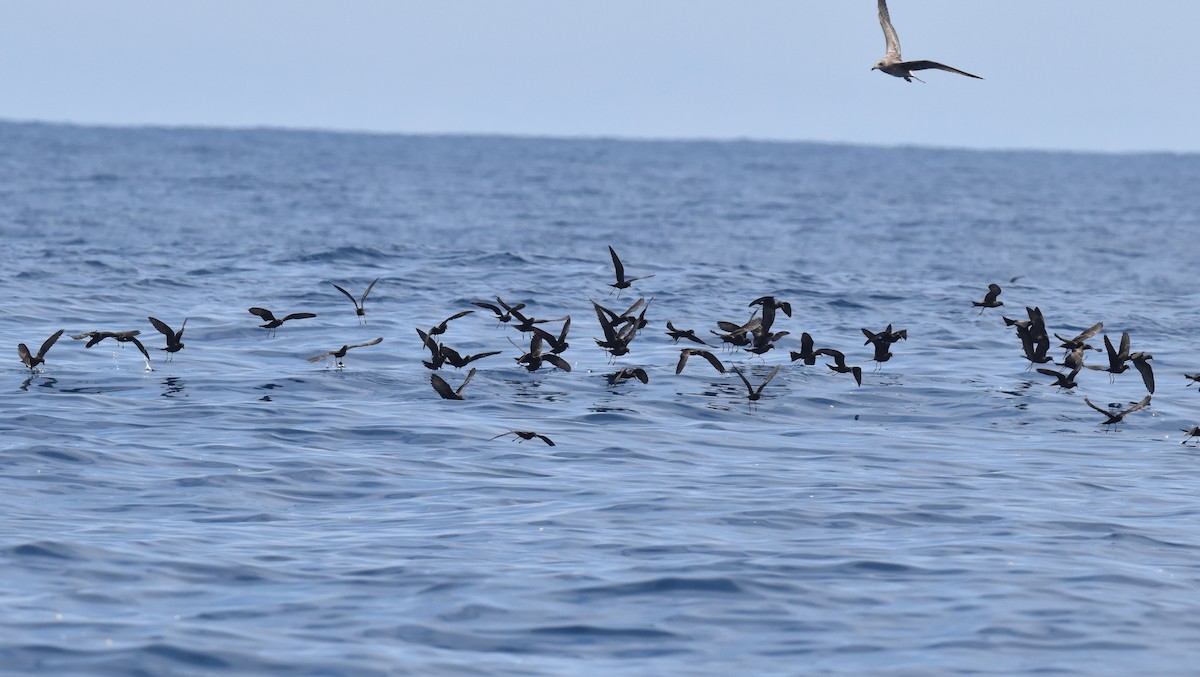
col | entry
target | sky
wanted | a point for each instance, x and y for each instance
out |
(1090, 75)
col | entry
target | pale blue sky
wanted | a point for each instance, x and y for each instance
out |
(1060, 74)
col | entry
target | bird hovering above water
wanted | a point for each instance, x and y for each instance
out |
(895, 65)
(1117, 416)
(526, 435)
(753, 394)
(95, 337)
(685, 353)
(174, 338)
(358, 304)
(341, 352)
(32, 361)
(439, 384)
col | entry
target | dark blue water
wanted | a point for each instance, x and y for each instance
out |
(239, 510)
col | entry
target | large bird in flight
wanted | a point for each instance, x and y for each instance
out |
(895, 65)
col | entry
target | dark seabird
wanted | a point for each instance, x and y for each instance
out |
(1062, 380)
(1193, 432)
(274, 322)
(685, 353)
(893, 64)
(990, 300)
(1141, 362)
(1117, 416)
(557, 344)
(762, 341)
(619, 330)
(1080, 341)
(1035, 341)
(341, 352)
(1116, 358)
(439, 329)
(32, 361)
(754, 393)
(525, 323)
(617, 377)
(806, 350)
(437, 357)
(622, 281)
(95, 337)
(689, 334)
(883, 341)
(839, 365)
(738, 335)
(454, 359)
(526, 435)
(1074, 358)
(130, 336)
(359, 309)
(504, 314)
(174, 338)
(769, 305)
(535, 357)
(1194, 378)
(444, 389)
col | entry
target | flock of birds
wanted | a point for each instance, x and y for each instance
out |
(756, 335)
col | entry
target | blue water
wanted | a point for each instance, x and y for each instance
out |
(238, 510)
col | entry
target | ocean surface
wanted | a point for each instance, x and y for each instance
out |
(239, 510)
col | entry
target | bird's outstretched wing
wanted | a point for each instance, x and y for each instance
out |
(927, 65)
(49, 342)
(889, 33)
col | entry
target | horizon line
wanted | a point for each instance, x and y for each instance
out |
(582, 137)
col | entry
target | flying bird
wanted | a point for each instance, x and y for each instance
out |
(526, 435)
(1141, 362)
(755, 393)
(32, 361)
(504, 314)
(839, 365)
(437, 356)
(439, 384)
(273, 322)
(458, 361)
(358, 303)
(557, 344)
(1190, 433)
(130, 336)
(619, 268)
(689, 334)
(1061, 380)
(685, 353)
(174, 338)
(882, 342)
(990, 300)
(622, 375)
(806, 350)
(341, 352)
(440, 328)
(1117, 416)
(1116, 358)
(895, 65)
(1080, 341)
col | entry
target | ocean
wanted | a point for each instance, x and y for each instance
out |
(238, 510)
